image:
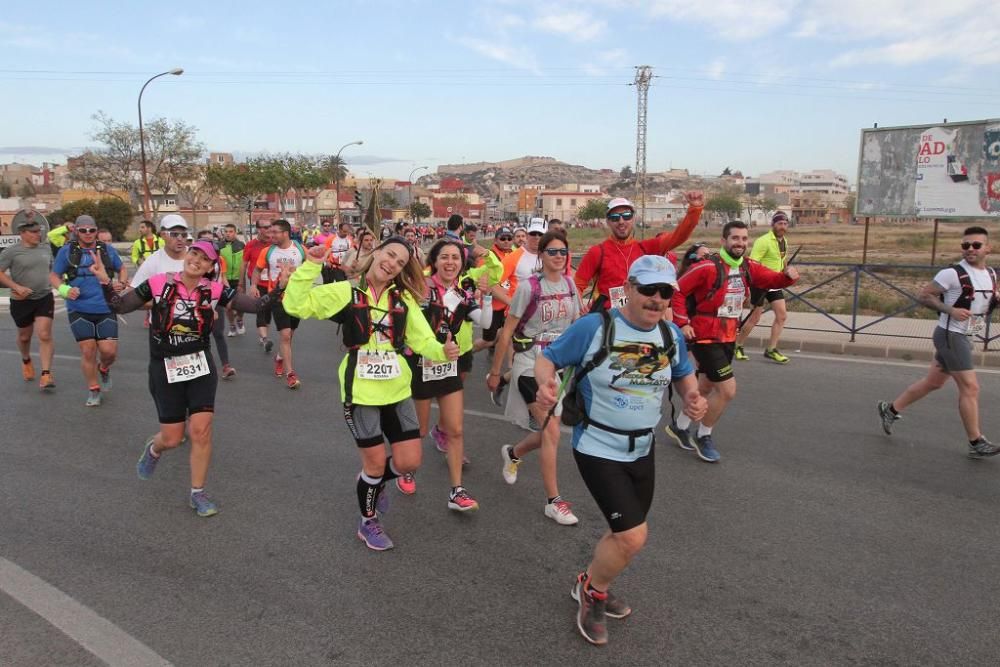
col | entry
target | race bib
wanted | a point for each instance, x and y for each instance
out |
(617, 296)
(434, 370)
(732, 306)
(377, 365)
(185, 367)
(977, 324)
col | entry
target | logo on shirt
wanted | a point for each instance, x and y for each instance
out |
(637, 363)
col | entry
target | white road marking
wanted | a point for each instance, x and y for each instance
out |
(35, 354)
(86, 627)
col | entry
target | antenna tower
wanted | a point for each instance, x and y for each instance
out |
(643, 77)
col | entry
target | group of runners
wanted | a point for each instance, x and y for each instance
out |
(597, 349)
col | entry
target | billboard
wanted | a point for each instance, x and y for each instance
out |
(950, 170)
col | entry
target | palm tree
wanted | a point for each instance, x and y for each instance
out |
(336, 168)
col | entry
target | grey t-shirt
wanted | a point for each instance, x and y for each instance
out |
(29, 267)
(557, 308)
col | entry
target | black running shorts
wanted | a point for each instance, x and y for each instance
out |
(369, 424)
(759, 296)
(282, 320)
(263, 315)
(527, 386)
(715, 360)
(174, 402)
(24, 311)
(622, 490)
(499, 317)
(423, 391)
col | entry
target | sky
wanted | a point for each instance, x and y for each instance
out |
(754, 86)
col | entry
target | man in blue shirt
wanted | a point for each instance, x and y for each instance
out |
(93, 324)
(621, 399)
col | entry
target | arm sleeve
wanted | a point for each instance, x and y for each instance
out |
(670, 240)
(481, 317)
(588, 267)
(126, 302)
(571, 347)
(321, 302)
(419, 336)
(245, 303)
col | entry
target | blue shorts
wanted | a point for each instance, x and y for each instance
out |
(91, 326)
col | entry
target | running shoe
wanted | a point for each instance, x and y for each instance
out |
(406, 484)
(560, 512)
(382, 501)
(232, 331)
(460, 500)
(147, 462)
(293, 380)
(510, 464)
(680, 436)
(93, 398)
(228, 371)
(497, 394)
(887, 416)
(105, 374)
(202, 504)
(591, 616)
(740, 355)
(47, 382)
(268, 346)
(370, 532)
(705, 448)
(279, 367)
(613, 607)
(440, 439)
(982, 448)
(240, 328)
(28, 370)
(775, 356)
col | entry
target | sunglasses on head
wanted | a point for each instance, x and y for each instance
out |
(86, 230)
(976, 245)
(624, 215)
(665, 291)
(555, 252)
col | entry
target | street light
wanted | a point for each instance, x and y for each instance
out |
(410, 186)
(336, 165)
(177, 71)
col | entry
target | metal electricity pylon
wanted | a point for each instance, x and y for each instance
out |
(643, 77)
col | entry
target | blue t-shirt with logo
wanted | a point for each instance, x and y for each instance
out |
(626, 390)
(91, 299)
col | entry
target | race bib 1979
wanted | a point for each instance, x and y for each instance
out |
(433, 370)
(617, 296)
(377, 365)
(186, 367)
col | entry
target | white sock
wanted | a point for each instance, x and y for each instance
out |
(683, 422)
(194, 490)
(704, 430)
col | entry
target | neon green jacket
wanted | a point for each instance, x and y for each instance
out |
(322, 302)
(58, 236)
(767, 251)
(494, 269)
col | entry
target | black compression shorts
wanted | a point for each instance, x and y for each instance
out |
(622, 490)
(174, 402)
(759, 296)
(715, 360)
(369, 424)
(282, 320)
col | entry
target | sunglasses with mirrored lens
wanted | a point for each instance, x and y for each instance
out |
(976, 245)
(625, 215)
(177, 235)
(505, 238)
(555, 252)
(534, 233)
(665, 291)
(86, 230)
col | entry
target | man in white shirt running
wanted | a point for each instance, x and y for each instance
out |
(964, 294)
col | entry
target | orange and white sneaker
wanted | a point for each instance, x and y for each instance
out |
(293, 380)
(47, 382)
(406, 484)
(27, 370)
(279, 367)
(460, 500)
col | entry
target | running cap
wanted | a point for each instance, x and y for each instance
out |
(173, 221)
(503, 230)
(653, 270)
(538, 225)
(206, 247)
(780, 216)
(620, 201)
(27, 223)
(85, 220)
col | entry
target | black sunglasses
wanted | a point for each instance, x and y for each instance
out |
(534, 234)
(665, 291)
(553, 252)
(976, 245)
(625, 215)
(505, 238)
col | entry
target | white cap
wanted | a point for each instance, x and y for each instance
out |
(538, 225)
(172, 221)
(620, 201)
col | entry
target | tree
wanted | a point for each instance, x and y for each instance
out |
(763, 204)
(419, 209)
(387, 200)
(726, 172)
(173, 155)
(5, 190)
(112, 213)
(595, 209)
(725, 204)
(197, 193)
(626, 174)
(849, 202)
(240, 184)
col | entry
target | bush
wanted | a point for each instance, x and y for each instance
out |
(112, 213)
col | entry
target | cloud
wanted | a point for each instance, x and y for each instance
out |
(716, 69)
(515, 56)
(604, 60)
(731, 19)
(576, 25)
(372, 159)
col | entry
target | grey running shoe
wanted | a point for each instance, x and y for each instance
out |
(982, 448)
(105, 374)
(679, 435)
(591, 616)
(147, 462)
(613, 607)
(203, 505)
(888, 418)
(704, 447)
(93, 398)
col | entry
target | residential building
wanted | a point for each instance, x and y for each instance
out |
(563, 204)
(220, 159)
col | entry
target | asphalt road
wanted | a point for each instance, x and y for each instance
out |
(816, 541)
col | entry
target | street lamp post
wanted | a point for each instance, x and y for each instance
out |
(177, 71)
(410, 186)
(336, 166)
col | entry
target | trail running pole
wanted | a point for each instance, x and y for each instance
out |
(567, 375)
